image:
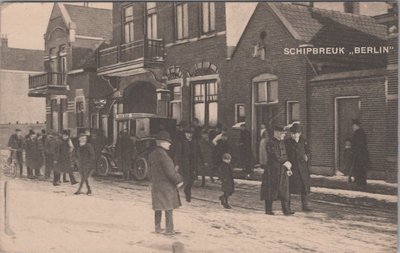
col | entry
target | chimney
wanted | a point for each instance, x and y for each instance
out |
(352, 7)
(4, 41)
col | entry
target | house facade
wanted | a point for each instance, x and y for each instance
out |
(171, 59)
(69, 84)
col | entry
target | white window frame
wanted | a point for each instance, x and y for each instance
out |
(183, 22)
(176, 82)
(209, 17)
(130, 23)
(236, 112)
(288, 103)
(151, 15)
(267, 92)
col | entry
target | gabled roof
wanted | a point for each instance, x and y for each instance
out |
(89, 21)
(21, 59)
(309, 25)
(308, 22)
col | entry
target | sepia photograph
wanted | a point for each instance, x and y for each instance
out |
(198, 127)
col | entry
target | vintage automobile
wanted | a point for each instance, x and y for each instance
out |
(142, 128)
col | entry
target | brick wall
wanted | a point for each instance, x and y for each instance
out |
(371, 91)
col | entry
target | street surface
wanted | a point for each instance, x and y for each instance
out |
(118, 218)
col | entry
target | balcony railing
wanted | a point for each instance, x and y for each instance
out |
(46, 79)
(147, 49)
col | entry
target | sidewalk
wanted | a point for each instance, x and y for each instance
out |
(335, 182)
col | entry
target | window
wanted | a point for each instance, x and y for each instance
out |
(63, 114)
(79, 113)
(94, 120)
(151, 17)
(182, 21)
(176, 102)
(54, 114)
(240, 114)
(292, 111)
(267, 91)
(205, 100)
(208, 17)
(128, 24)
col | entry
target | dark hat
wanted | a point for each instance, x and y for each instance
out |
(163, 136)
(189, 129)
(278, 128)
(31, 132)
(356, 122)
(65, 132)
(295, 128)
(17, 130)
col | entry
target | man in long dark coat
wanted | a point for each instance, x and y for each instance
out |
(65, 160)
(85, 161)
(125, 150)
(33, 155)
(275, 181)
(16, 144)
(245, 150)
(299, 155)
(186, 157)
(165, 181)
(359, 148)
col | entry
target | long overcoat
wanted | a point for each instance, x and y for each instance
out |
(64, 161)
(245, 149)
(299, 182)
(206, 159)
(34, 158)
(85, 158)
(359, 148)
(262, 152)
(187, 156)
(226, 176)
(54, 149)
(164, 180)
(221, 148)
(275, 181)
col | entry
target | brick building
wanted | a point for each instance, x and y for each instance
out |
(165, 59)
(16, 64)
(171, 59)
(70, 85)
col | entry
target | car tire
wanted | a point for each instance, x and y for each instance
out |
(103, 166)
(140, 169)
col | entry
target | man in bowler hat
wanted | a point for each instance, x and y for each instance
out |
(165, 181)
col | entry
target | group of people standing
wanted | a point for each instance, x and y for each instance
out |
(57, 153)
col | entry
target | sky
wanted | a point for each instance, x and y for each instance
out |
(25, 23)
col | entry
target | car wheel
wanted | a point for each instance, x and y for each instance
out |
(103, 166)
(140, 169)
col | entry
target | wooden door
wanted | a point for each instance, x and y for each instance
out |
(347, 109)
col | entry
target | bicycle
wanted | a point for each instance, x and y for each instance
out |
(10, 164)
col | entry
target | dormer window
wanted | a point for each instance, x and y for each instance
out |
(151, 17)
(128, 24)
(208, 17)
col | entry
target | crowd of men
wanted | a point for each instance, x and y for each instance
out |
(193, 151)
(57, 153)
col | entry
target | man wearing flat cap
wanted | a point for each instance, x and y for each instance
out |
(299, 155)
(359, 148)
(275, 180)
(165, 181)
(186, 157)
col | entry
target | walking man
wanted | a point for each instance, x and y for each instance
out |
(186, 158)
(275, 180)
(85, 160)
(165, 181)
(299, 156)
(359, 148)
(16, 145)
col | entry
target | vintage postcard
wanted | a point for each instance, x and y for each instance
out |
(198, 127)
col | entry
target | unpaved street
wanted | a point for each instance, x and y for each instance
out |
(119, 218)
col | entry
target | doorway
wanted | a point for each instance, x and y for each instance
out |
(347, 109)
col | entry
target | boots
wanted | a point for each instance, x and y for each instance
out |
(304, 204)
(268, 207)
(286, 208)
